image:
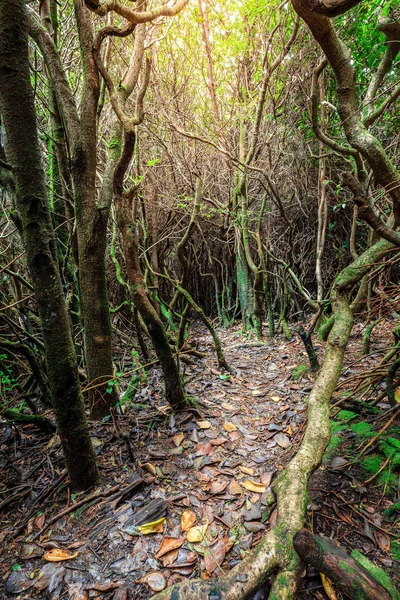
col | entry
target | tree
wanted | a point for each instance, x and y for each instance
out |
(33, 221)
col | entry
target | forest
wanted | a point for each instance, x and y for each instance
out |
(199, 299)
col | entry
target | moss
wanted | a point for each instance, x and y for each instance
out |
(299, 371)
(372, 464)
(378, 573)
(336, 427)
(388, 479)
(346, 415)
(396, 550)
(115, 147)
(335, 442)
(362, 429)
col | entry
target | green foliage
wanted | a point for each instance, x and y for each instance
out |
(299, 371)
(372, 464)
(346, 415)
(362, 429)
(7, 379)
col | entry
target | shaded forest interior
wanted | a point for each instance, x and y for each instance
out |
(200, 302)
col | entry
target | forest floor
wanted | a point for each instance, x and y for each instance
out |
(203, 477)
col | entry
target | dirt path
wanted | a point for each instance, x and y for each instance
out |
(209, 470)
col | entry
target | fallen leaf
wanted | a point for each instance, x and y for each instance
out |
(266, 478)
(338, 461)
(275, 398)
(169, 558)
(214, 556)
(229, 426)
(253, 486)
(282, 440)
(328, 587)
(217, 487)
(204, 424)
(246, 470)
(228, 406)
(234, 488)
(153, 527)
(382, 540)
(57, 554)
(188, 519)
(168, 544)
(40, 521)
(196, 534)
(150, 468)
(155, 580)
(178, 439)
(96, 442)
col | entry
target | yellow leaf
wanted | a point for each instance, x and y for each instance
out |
(328, 587)
(246, 470)
(229, 426)
(275, 398)
(153, 527)
(397, 394)
(253, 486)
(196, 534)
(57, 554)
(188, 519)
(204, 424)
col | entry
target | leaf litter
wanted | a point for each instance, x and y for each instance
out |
(205, 494)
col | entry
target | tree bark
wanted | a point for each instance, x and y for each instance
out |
(18, 111)
(355, 581)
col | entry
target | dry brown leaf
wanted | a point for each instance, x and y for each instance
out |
(228, 406)
(328, 587)
(214, 556)
(229, 426)
(155, 580)
(178, 439)
(168, 544)
(217, 487)
(169, 558)
(382, 540)
(58, 554)
(40, 521)
(188, 519)
(253, 486)
(234, 488)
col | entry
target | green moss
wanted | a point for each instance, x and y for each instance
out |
(396, 549)
(336, 441)
(346, 415)
(336, 427)
(378, 573)
(362, 429)
(372, 464)
(299, 371)
(115, 147)
(388, 479)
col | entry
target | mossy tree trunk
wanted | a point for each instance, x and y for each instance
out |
(18, 111)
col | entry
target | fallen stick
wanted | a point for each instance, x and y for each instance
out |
(350, 577)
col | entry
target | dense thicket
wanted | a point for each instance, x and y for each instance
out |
(222, 161)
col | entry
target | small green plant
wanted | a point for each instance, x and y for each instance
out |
(299, 371)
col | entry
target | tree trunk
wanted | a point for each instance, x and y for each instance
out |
(18, 111)
(91, 222)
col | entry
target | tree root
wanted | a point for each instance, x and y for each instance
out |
(351, 577)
